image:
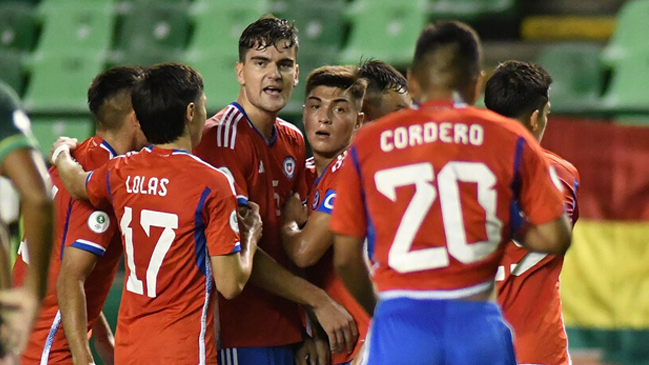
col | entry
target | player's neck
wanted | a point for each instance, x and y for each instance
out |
(261, 119)
(321, 162)
(439, 94)
(183, 142)
(119, 145)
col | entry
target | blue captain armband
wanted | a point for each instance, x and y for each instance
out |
(327, 204)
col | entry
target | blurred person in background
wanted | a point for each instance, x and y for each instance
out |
(265, 156)
(528, 282)
(23, 165)
(387, 89)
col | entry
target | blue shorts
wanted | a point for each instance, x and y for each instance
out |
(438, 332)
(273, 355)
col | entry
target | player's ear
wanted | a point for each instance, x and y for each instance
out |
(360, 118)
(297, 74)
(534, 120)
(478, 87)
(413, 86)
(190, 112)
(238, 68)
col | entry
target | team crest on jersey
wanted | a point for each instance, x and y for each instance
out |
(289, 167)
(234, 221)
(316, 200)
(98, 222)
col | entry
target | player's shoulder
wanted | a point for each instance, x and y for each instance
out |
(289, 131)
(561, 165)
(93, 153)
(203, 170)
(226, 128)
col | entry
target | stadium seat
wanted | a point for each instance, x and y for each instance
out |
(320, 23)
(71, 26)
(60, 83)
(48, 129)
(151, 32)
(577, 77)
(17, 26)
(217, 27)
(469, 9)
(630, 32)
(384, 29)
(11, 70)
(627, 91)
(219, 78)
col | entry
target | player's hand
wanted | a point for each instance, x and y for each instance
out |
(294, 211)
(250, 224)
(338, 324)
(313, 352)
(18, 310)
(62, 143)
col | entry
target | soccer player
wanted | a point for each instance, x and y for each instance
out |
(266, 157)
(82, 233)
(527, 282)
(332, 113)
(387, 89)
(23, 165)
(433, 189)
(178, 220)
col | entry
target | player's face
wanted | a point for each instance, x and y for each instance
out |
(268, 76)
(198, 122)
(391, 101)
(330, 119)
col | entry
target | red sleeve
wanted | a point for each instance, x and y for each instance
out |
(98, 186)
(227, 160)
(90, 229)
(220, 215)
(302, 186)
(541, 191)
(569, 177)
(349, 215)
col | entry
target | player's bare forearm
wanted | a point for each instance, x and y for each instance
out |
(306, 246)
(104, 340)
(72, 175)
(75, 268)
(552, 237)
(26, 170)
(336, 321)
(350, 266)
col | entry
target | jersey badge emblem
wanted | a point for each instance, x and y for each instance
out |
(98, 221)
(234, 221)
(289, 167)
(316, 200)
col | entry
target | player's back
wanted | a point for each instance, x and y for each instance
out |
(47, 339)
(167, 203)
(440, 196)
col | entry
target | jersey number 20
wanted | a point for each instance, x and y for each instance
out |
(148, 219)
(400, 256)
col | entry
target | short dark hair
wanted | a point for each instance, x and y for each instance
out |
(381, 77)
(266, 32)
(450, 49)
(115, 82)
(342, 77)
(517, 89)
(161, 97)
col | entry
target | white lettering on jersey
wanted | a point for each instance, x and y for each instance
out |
(416, 135)
(146, 186)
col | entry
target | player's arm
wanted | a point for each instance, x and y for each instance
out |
(72, 174)
(231, 272)
(19, 307)
(547, 228)
(76, 265)
(104, 340)
(350, 266)
(305, 246)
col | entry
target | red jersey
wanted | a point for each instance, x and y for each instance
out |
(267, 173)
(433, 190)
(528, 288)
(174, 213)
(80, 225)
(323, 274)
